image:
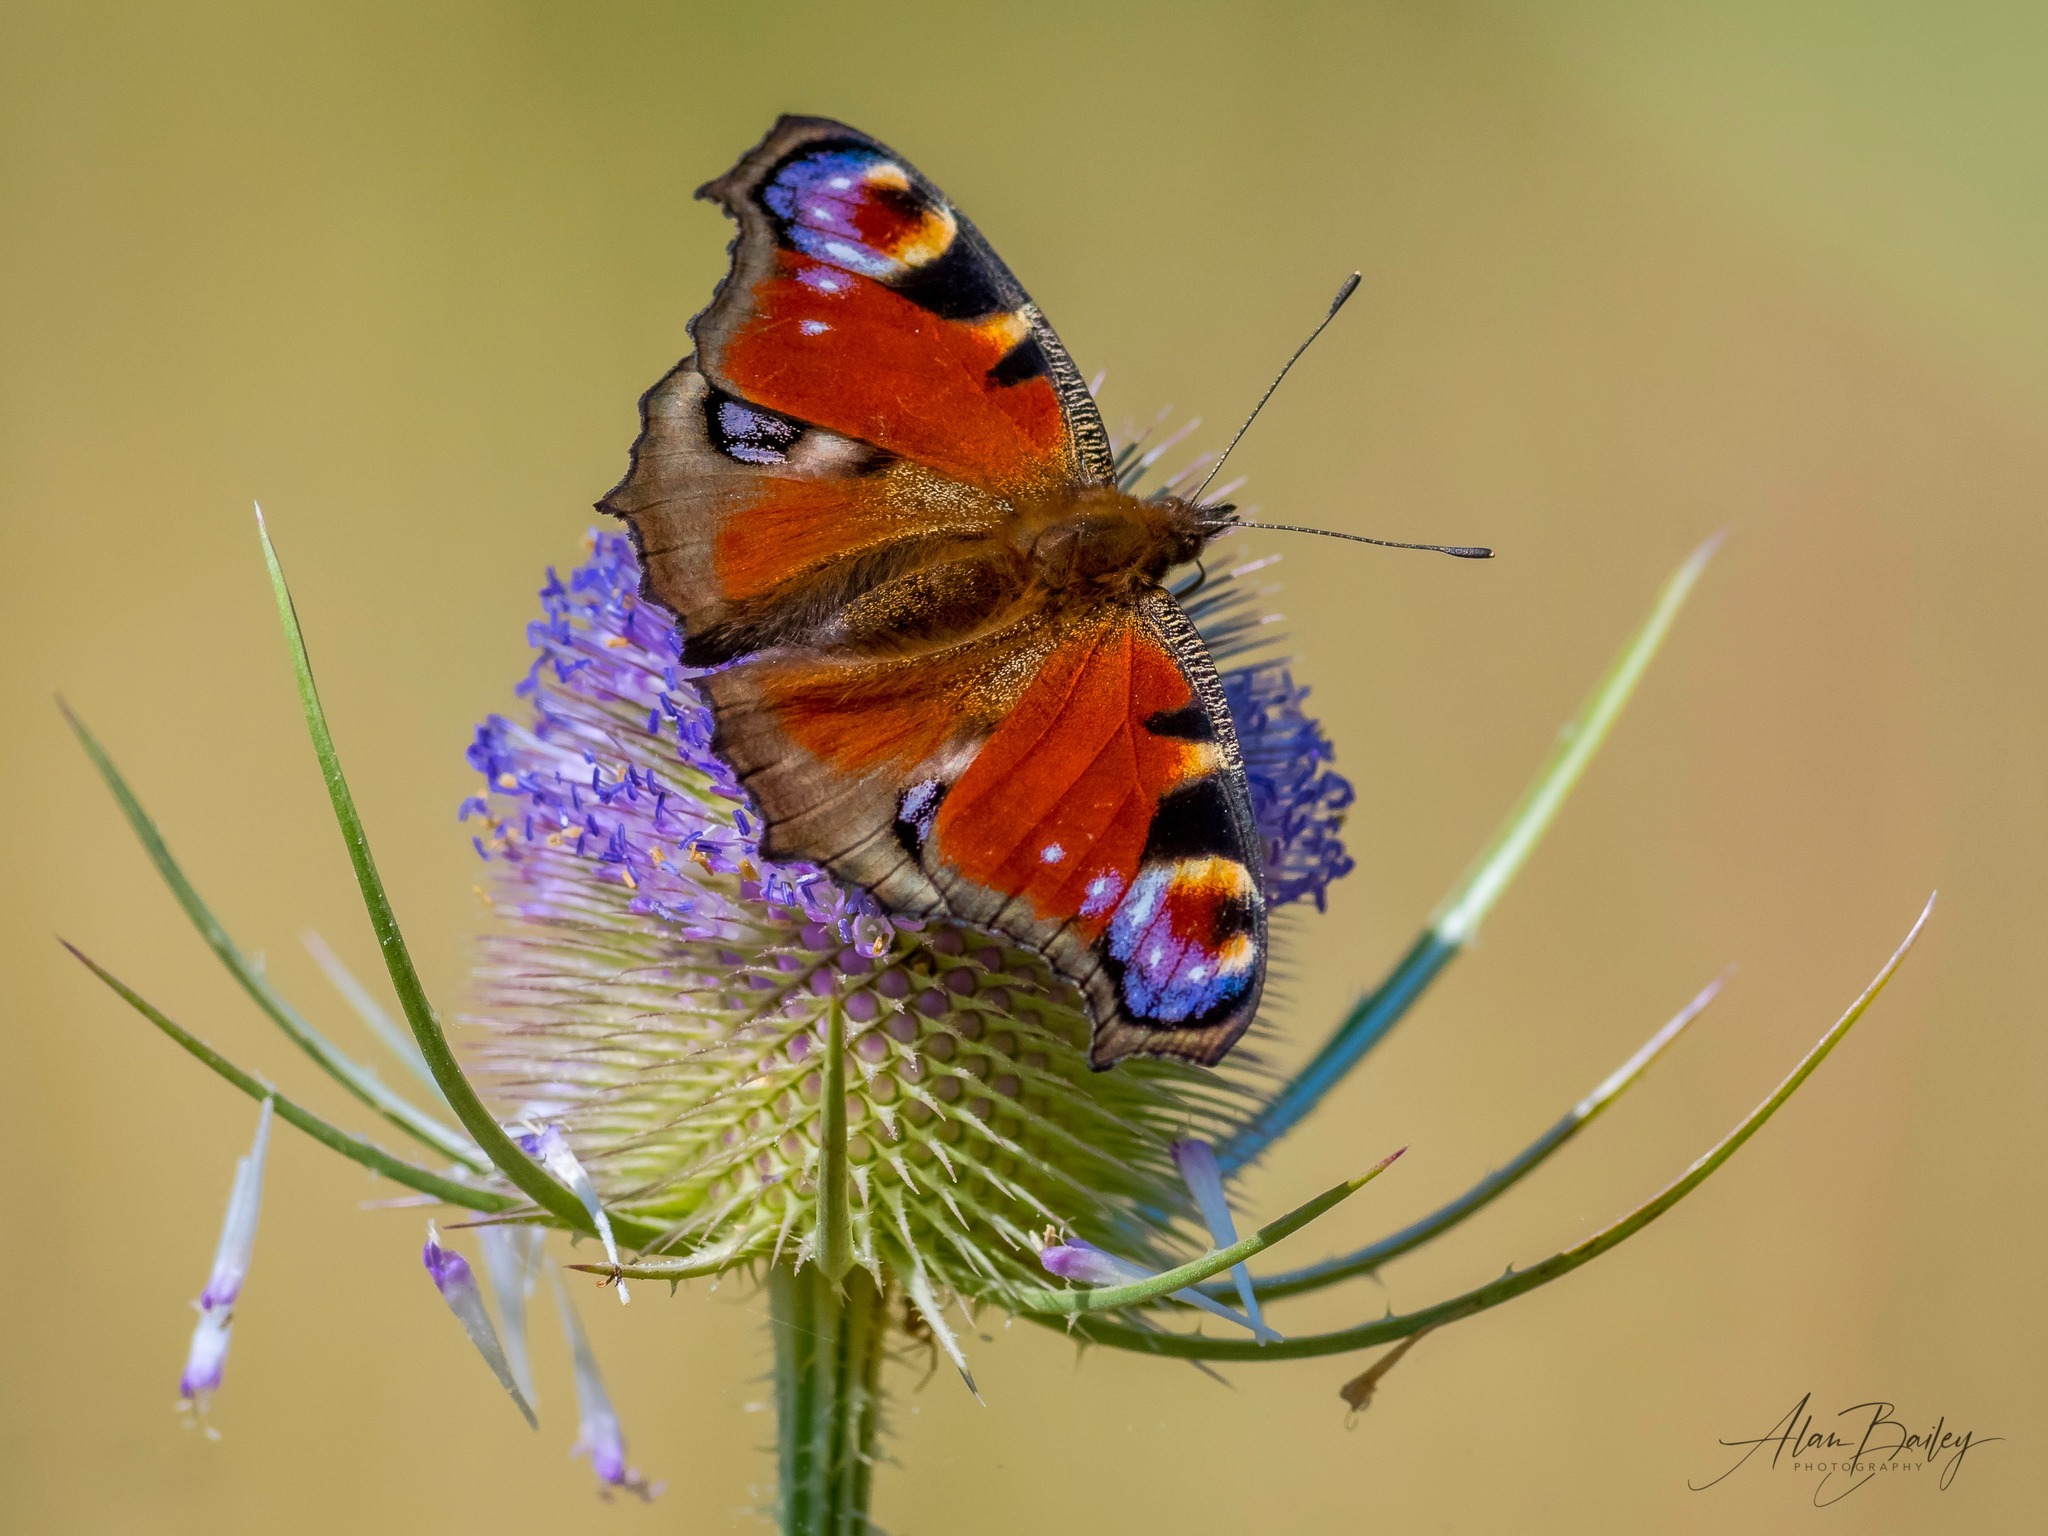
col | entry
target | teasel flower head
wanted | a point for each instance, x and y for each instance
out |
(665, 998)
(707, 1060)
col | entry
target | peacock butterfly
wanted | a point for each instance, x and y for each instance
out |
(881, 504)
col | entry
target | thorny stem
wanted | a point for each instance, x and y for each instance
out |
(835, 1207)
(828, 1368)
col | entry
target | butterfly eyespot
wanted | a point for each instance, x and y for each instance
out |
(857, 211)
(1181, 942)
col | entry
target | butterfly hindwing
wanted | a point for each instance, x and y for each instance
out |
(1083, 795)
(1107, 818)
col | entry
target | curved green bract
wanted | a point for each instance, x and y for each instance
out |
(1363, 1028)
(671, 1270)
(1515, 1282)
(350, 1147)
(357, 1079)
(1458, 916)
(462, 1097)
(1365, 1260)
(1108, 1297)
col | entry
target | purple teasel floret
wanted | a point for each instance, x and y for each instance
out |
(1082, 1262)
(598, 1433)
(1298, 800)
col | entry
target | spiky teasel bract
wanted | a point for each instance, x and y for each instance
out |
(664, 994)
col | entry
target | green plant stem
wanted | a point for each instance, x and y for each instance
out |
(835, 1205)
(828, 1368)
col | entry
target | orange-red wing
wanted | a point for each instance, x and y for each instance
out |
(783, 530)
(1057, 804)
(861, 301)
(1109, 810)
(1072, 783)
(844, 351)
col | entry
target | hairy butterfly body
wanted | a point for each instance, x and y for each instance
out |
(880, 500)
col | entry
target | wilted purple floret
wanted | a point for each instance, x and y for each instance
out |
(448, 1269)
(456, 1282)
(598, 1434)
(1081, 1261)
(551, 1149)
(580, 808)
(206, 1359)
(1196, 1160)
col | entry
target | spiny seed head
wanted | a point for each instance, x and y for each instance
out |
(665, 995)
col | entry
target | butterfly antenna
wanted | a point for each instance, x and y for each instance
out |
(1350, 287)
(1461, 551)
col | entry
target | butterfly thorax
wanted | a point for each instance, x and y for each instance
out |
(1100, 539)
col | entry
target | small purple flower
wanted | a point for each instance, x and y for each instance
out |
(206, 1360)
(1083, 1263)
(456, 1282)
(1080, 1261)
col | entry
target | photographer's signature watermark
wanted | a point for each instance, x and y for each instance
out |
(1859, 1445)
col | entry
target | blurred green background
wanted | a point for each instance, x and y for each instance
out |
(1632, 272)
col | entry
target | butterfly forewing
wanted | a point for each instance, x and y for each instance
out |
(862, 301)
